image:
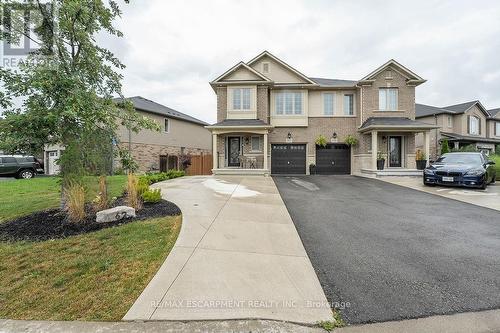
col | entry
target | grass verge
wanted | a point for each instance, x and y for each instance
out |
(96, 276)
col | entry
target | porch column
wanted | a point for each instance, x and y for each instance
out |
(265, 151)
(215, 159)
(427, 145)
(456, 145)
(374, 149)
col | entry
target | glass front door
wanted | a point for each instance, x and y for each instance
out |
(395, 152)
(233, 151)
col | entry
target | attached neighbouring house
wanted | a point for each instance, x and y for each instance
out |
(269, 116)
(462, 125)
(155, 151)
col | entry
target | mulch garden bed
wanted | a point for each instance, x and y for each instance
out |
(53, 223)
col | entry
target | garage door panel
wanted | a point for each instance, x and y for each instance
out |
(288, 158)
(333, 159)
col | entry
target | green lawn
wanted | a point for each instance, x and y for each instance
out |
(24, 196)
(95, 276)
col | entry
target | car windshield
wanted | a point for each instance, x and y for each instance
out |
(460, 159)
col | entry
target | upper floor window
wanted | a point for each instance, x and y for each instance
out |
(474, 125)
(388, 99)
(450, 121)
(497, 128)
(242, 98)
(349, 104)
(288, 103)
(166, 125)
(328, 103)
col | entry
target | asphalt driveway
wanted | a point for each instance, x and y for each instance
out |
(388, 252)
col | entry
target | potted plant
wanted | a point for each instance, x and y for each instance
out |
(312, 169)
(421, 160)
(321, 141)
(351, 140)
(380, 160)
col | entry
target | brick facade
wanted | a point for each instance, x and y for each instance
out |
(263, 103)
(221, 103)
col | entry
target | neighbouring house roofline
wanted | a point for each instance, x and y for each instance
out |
(466, 106)
(143, 104)
(457, 137)
(281, 62)
(423, 110)
(412, 78)
(493, 113)
(393, 124)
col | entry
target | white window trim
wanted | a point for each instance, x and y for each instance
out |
(166, 130)
(470, 125)
(343, 105)
(251, 145)
(293, 114)
(386, 99)
(253, 99)
(334, 94)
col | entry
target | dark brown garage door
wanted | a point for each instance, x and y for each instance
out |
(334, 159)
(288, 158)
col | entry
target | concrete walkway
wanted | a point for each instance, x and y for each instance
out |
(238, 256)
(489, 198)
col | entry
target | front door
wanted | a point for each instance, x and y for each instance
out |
(395, 152)
(234, 146)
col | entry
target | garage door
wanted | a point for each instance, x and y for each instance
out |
(334, 159)
(288, 158)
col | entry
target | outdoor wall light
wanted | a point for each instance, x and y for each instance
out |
(247, 140)
(289, 136)
(334, 135)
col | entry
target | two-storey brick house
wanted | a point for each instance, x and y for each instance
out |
(269, 116)
(464, 124)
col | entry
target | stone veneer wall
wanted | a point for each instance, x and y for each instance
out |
(147, 156)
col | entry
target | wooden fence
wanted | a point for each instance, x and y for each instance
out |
(200, 165)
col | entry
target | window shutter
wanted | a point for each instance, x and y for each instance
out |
(468, 124)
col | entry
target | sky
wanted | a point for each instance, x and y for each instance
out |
(173, 49)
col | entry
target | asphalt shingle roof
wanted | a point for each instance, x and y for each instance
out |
(392, 121)
(241, 122)
(333, 82)
(147, 105)
(422, 110)
(494, 112)
(460, 108)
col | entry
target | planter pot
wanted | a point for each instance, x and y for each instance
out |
(312, 169)
(380, 164)
(421, 164)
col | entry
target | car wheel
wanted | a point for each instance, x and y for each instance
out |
(26, 174)
(483, 185)
(494, 179)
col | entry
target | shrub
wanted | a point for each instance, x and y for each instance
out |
(133, 199)
(497, 150)
(151, 178)
(142, 186)
(351, 140)
(380, 156)
(468, 148)
(75, 202)
(152, 195)
(101, 200)
(321, 141)
(445, 148)
(420, 155)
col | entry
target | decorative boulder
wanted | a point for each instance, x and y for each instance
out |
(115, 214)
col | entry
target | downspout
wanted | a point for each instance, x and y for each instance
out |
(436, 139)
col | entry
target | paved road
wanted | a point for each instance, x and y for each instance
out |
(393, 252)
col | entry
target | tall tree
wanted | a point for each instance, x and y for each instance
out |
(67, 85)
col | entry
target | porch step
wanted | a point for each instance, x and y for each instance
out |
(240, 171)
(391, 172)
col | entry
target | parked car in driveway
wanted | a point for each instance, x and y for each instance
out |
(461, 169)
(19, 166)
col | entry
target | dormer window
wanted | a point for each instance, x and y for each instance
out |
(388, 99)
(242, 99)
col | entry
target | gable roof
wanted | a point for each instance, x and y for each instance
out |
(422, 110)
(241, 64)
(493, 112)
(146, 105)
(412, 78)
(393, 123)
(281, 62)
(463, 107)
(334, 82)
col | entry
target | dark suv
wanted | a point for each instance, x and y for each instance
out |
(19, 166)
